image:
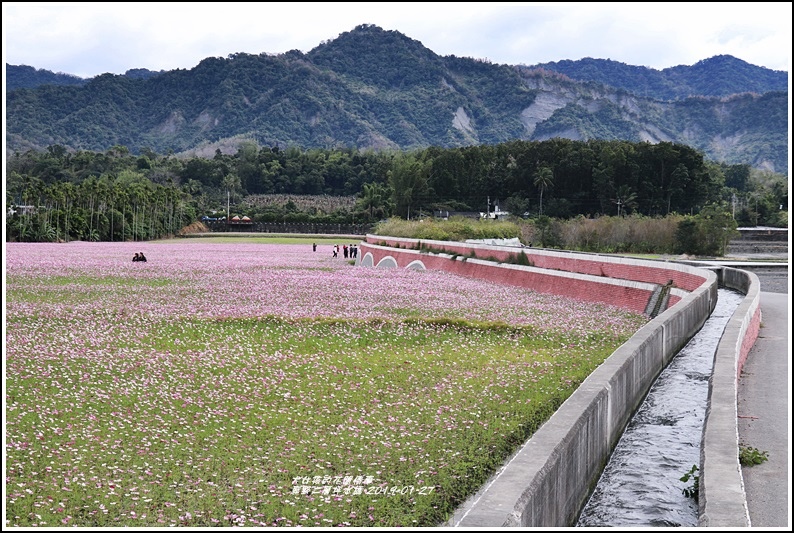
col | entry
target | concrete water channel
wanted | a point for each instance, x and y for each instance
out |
(641, 485)
(551, 477)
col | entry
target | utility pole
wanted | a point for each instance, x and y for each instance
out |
(488, 209)
(228, 197)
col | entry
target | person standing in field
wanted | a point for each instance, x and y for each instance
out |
(314, 247)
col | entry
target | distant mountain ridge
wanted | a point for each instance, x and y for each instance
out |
(372, 88)
(741, 128)
(27, 77)
(717, 76)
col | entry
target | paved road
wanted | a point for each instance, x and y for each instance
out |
(764, 402)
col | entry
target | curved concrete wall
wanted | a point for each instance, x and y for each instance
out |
(627, 294)
(722, 501)
(622, 268)
(620, 281)
(547, 481)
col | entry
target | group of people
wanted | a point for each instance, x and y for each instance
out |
(347, 251)
(350, 251)
(138, 257)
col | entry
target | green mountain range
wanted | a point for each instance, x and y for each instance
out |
(718, 76)
(372, 88)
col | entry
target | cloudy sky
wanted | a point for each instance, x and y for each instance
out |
(87, 39)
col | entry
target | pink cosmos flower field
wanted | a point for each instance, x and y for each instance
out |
(262, 384)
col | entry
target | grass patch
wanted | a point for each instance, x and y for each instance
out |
(274, 239)
(454, 229)
(107, 281)
(66, 290)
(196, 421)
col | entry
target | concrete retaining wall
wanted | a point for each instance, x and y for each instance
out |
(546, 483)
(623, 282)
(722, 501)
(622, 268)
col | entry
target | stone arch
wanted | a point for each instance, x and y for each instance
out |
(416, 265)
(366, 260)
(387, 262)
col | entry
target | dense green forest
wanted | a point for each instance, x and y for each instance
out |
(59, 195)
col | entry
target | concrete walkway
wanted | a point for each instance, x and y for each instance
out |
(764, 408)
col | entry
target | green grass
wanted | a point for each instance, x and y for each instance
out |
(455, 229)
(277, 239)
(80, 289)
(188, 423)
(123, 408)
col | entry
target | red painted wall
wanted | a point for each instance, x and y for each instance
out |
(632, 298)
(580, 263)
(750, 336)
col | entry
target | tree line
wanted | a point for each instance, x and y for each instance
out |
(57, 194)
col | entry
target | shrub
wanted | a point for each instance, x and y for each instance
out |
(455, 229)
(749, 456)
(522, 259)
(691, 491)
(706, 233)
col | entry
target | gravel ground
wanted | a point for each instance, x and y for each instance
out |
(773, 280)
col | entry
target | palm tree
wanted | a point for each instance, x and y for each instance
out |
(544, 179)
(408, 180)
(231, 182)
(68, 194)
(373, 198)
(625, 198)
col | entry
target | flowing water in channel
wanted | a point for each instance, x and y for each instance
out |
(641, 486)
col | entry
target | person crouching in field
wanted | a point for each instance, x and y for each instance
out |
(139, 257)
